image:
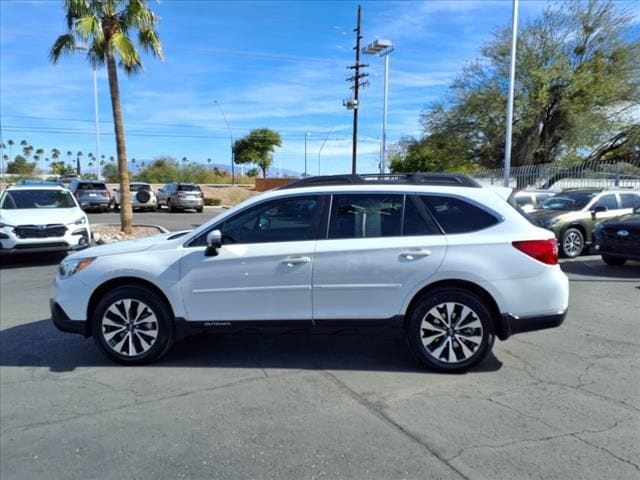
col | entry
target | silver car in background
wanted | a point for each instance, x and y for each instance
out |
(181, 196)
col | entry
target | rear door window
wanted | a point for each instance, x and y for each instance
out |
(458, 216)
(629, 200)
(608, 201)
(366, 216)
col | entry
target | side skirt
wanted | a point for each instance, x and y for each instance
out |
(387, 326)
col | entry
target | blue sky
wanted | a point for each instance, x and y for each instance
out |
(277, 65)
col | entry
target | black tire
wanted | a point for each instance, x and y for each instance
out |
(199, 209)
(170, 207)
(452, 348)
(116, 207)
(116, 334)
(571, 243)
(614, 261)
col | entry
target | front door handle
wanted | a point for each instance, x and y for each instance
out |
(413, 254)
(290, 262)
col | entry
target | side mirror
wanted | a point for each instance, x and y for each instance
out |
(214, 243)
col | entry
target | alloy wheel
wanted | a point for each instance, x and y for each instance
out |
(129, 327)
(451, 332)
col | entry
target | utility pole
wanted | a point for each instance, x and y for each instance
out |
(357, 79)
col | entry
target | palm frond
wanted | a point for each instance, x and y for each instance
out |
(89, 27)
(97, 53)
(129, 58)
(150, 42)
(75, 9)
(64, 44)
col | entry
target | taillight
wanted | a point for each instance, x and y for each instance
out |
(545, 251)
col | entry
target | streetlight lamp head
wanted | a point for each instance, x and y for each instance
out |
(378, 46)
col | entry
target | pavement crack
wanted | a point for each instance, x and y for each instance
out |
(381, 415)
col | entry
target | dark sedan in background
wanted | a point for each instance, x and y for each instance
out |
(618, 239)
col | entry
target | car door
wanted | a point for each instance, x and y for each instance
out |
(263, 270)
(379, 249)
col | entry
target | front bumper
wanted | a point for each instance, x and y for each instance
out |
(73, 240)
(512, 325)
(62, 321)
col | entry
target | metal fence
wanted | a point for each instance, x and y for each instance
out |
(557, 177)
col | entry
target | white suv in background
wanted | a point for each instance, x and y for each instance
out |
(450, 263)
(41, 217)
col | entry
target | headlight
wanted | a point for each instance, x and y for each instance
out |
(80, 221)
(67, 268)
(549, 223)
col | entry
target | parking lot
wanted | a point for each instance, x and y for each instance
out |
(561, 403)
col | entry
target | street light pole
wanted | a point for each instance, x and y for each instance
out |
(233, 172)
(383, 48)
(95, 108)
(512, 79)
(305, 153)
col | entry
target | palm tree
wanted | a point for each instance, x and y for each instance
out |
(105, 26)
(111, 159)
(39, 154)
(55, 153)
(78, 166)
(11, 143)
(69, 153)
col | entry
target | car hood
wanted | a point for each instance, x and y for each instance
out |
(129, 246)
(630, 220)
(40, 216)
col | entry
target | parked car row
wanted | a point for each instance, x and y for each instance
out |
(94, 195)
(599, 220)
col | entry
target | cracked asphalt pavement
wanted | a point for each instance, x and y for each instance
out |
(561, 403)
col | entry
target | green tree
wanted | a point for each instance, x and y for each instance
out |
(257, 147)
(110, 173)
(577, 79)
(253, 172)
(106, 27)
(163, 169)
(21, 166)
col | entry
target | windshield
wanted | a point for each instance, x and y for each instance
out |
(568, 200)
(22, 199)
(92, 186)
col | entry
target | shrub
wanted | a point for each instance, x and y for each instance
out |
(212, 201)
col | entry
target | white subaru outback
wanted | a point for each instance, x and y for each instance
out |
(450, 263)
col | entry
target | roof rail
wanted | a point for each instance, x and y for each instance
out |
(420, 178)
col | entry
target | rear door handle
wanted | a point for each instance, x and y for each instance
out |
(413, 254)
(290, 262)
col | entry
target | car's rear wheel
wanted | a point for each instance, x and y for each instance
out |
(614, 261)
(572, 243)
(450, 330)
(170, 207)
(132, 325)
(199, 209)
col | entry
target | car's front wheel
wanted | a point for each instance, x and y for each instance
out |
(572, 243)
(132, 325)
(614, 261)
(450, 330)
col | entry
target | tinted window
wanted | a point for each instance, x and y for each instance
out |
(608, 201)
(629, 200)
(363, 216)
(92, 186)
(134, 187)
(458, 216)
(417, 222)
(522, 200)
(188, 188)
(19, 199)
(284, 220)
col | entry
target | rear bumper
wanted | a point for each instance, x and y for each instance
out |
(63, 323)
(512, 325)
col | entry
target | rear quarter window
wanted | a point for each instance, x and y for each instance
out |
(456, 215)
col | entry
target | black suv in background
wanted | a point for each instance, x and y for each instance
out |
(180, 196)
(618, 239)
(91, 194)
